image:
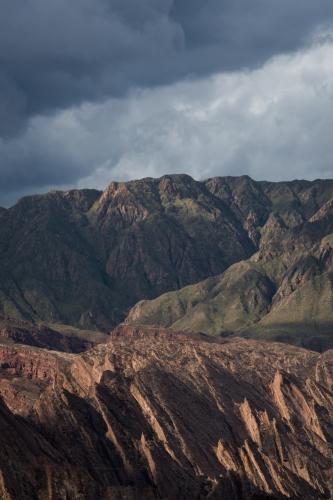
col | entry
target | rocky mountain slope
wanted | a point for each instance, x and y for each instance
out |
(153, 414)
(283, 291)
(86, 257)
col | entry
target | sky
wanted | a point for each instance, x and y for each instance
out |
(95, 91)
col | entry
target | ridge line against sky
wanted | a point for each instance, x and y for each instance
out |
(122, 90)
(101, 190)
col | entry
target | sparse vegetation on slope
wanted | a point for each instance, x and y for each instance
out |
(283, 292)
(84, 258)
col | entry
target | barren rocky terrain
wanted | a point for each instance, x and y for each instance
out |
(156, 414)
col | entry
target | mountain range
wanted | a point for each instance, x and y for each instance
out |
(168, 339)
(257, 253)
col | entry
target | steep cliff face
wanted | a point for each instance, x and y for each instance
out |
(86, 257)
(159, 415)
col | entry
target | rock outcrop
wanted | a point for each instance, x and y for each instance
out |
(158, 415)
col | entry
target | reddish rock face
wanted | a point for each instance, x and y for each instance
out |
(153, 416)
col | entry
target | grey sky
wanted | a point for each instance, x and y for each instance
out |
(91, 91)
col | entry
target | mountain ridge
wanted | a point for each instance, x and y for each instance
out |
(85, 257)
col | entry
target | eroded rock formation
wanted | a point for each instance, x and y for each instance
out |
(159, 415)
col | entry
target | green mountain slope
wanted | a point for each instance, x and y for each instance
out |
(86, 257)
(283, 292)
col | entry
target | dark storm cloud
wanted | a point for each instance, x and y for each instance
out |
(271, 123)
(56, 53)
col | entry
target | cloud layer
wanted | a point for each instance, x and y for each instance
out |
(91, 91)
(56, 53)
(273, 122)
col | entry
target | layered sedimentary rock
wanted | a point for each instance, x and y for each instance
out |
(159, 415)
